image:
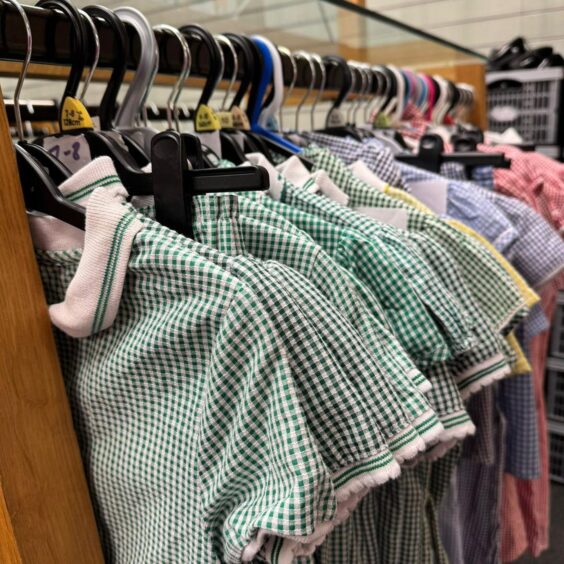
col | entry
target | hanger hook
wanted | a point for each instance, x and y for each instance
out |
(79, 42)
(353, 67)
(383, 89)
(142, 113)
(171, 113)
(372, 92)
(317, 58)
(367, 96)
(288, 53)
(367, 82)
(96, 58)
(221, 62)
(351, 91)
(353, 109)
(307, 57)
(224, 40)
(215, 56)
(25, 66)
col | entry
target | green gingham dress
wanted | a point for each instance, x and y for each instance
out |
(188, 415)
(444, 395)
(492, 286)
(495, 302)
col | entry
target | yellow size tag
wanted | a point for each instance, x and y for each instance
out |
(225, 119)
(240, 119)
(381, 121)
(74, 115)
(206, 119)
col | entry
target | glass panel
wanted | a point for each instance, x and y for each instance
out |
(315, 25)
(321, 26)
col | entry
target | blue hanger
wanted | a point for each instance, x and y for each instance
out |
(424, 92)
(255, 105)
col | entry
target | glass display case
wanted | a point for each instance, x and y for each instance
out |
(321, 26)
(318, 26)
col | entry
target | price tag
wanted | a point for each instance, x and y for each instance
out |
(72, 150)
(240, 119)
(206, 119)
(74, 115)
(225, 119)
(212, 140)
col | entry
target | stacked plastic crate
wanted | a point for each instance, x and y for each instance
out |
(531, 102)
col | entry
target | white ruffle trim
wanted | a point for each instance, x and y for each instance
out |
(449, 438)
(488, 380)
(410, 450)
(347, 497)
(425, 387)
(434, 433)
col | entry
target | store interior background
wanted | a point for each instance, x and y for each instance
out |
(480, 25)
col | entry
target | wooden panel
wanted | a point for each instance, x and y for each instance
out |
(45, 491)
(9, 553)
(350, 24)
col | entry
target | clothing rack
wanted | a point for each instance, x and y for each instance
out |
(46, 513)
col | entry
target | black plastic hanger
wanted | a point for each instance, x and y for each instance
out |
(78, 50)
(57, 170)
(338, 67)
(120, 50)
(178, 176)
(213, 57)
(40, 191)
(230, 148)
(208, 43)
(252, 142)
(100, 143)
(453, 97)
(431, 156)
(391, 85)
(245, 57)
(109, 99)
(389, 88)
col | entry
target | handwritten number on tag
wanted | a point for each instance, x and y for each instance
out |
(72, 150)
(75, 151)
(55, 150)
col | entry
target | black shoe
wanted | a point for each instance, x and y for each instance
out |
(499, 58)
(554, 60)
(530, 59)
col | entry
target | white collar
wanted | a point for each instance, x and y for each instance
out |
(92, 298)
